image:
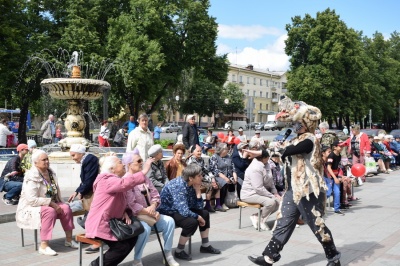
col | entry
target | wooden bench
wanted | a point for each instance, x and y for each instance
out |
(242, 204)
(81, 238)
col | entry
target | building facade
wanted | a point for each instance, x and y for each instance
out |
(262, 90)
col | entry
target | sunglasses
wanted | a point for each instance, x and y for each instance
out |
(139, 161)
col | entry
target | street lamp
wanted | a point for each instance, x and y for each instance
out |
(226, 101)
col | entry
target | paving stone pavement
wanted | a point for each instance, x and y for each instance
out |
(368, 234)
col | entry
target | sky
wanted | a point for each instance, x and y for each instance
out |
(253, 31)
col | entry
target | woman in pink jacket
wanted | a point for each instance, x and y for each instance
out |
(357, 145)
(109, 202)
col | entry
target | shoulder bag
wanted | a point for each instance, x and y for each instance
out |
(123, 231)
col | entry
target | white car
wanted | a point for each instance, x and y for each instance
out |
(168, 128)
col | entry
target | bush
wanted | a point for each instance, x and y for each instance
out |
(164, 142)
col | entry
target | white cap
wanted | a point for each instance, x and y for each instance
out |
(79, 148)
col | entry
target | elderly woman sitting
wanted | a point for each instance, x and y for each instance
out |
(40, 204)
(258, 187)
(157, 174)
(109, 202)
(175, 166)
(181, 199)
(137, 203)
(223, 169)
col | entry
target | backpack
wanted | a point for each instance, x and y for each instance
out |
(328, 138)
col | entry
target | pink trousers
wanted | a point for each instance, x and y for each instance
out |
(49, 217)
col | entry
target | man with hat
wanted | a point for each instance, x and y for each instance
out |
(12, 177)
(257, 137)
(242, 136)
(305, 195)
(189, 132)
(89, 171)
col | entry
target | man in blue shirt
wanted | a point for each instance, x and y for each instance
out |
(131, 124)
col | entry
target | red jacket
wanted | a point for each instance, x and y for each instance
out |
(364, 143)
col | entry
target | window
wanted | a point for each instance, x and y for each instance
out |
(260, 82)
(266, 107)
(247, 93)
(279, 84)
(254, 81)
(248, 80)
(266, 83)
(260, 93)
(266, 95)
(233, 78)
(241, 79)
(260, 106)
(254, 93)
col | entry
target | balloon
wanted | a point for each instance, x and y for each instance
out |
(236, 141)
(358, 170)
(221, 135)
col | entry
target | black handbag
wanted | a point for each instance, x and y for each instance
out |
(123, 231)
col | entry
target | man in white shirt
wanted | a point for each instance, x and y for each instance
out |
(242, 137)
(257, 137)
(4, 132)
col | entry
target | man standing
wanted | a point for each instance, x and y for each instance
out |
(257, 137)
(131, 124)
(4, 132)
(242, 137)
(327, 136)
(48, 130)
(305, 195)
(12, 177)
(189, 132)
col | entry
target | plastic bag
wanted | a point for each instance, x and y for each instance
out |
(231, 198)
(370, 165)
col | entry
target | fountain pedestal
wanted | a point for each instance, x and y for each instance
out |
(74, 90)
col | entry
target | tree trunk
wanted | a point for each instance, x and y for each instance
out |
(22, 123)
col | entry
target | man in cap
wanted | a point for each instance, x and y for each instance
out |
(303, 172)
(257, 137)
(189, 132)
(242, 136)
(12, 177)
(89, 171)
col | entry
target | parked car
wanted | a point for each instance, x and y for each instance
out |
(372, 132)
(280, 135)
(270, 125)
(259, 126)
(168, 128)
(395, 132)
(251, 125)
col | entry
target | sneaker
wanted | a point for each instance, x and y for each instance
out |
(225, 207)
(390, 170)
(171, 261)
(137, 263)
(339, 212)
(182, 255)
(71, 244)
(334, 263)
(220, 209)
(210, 250)
(210, 209)
(264, 227)
(7, 201)
(47, 251)
(91, 250)
(254, 221)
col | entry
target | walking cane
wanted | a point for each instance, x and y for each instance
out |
(144, 192)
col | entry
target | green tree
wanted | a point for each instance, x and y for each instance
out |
(235, 97)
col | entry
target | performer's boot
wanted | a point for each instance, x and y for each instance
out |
(334, 263)
(259, 260)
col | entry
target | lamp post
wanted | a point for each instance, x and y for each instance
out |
(177, 101)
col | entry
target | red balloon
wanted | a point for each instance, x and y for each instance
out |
(221, 135)
(358, 170)
(236, 141)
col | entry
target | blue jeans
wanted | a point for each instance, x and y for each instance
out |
(335, 188)
(166, 225)
(13, 188)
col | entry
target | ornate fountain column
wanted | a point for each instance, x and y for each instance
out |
(75, 90)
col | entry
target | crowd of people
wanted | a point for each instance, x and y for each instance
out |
(302, 172)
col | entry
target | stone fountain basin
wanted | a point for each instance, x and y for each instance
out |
(75, 88)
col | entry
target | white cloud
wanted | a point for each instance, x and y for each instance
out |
(271, 57)
(250, 33)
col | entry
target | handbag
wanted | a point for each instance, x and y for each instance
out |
(123, 231)
(147, 219)
(370, 165)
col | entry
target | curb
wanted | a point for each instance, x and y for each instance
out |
(7, 218)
